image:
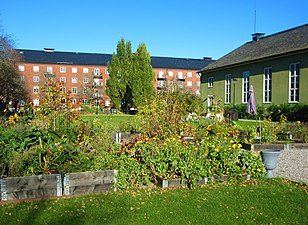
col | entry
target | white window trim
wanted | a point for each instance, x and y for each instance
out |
(36, 88)
(63, 79)
(74, 88)
(228, 84)
(74, 80)
(210, 82)
(244, 82)
(62, 69)
(264, 80)
(85, 70)
(36, 69)
(298, 77)
(36, 80)
(74, 70)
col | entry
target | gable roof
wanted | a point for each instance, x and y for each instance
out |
(54, 57)
(284, 42)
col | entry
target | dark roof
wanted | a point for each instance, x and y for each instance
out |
(287, 41)
(49, 56)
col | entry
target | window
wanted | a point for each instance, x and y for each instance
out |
(294, 82)
(189, 74)
(170, 73)
(63, 79)
(107, 102)
(74, 101)
(210, 100)
(160, 83)
(267, 85)
(198, 83)
(36, 102)
(36, 89)
(85, 90)
(74, 70)
(210, 82)
(64, 89)
(85, 70)
(245, 90)
(21, 68)
(189, 83)
(49, 69)
(85, 80)
(62, 69)
(180, 75)
(197, 92)
(97, 71)
(74, 80)
(106, 71)
(36, 69)
(36, 79)
(74, 90)
(22, 78)
(228, 88)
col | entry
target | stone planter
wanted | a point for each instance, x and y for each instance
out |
(270, 158)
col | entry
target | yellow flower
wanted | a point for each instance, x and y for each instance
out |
(259, 170)
(234, 146)
(231, 141)
(239, 145)
(216, 149)
(213, 146)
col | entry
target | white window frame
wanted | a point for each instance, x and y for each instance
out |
(197, 92)
(198, 83)
(170, 73)
(106, 71)
(63, 79)
(180, 75)
(21, 68)
(36, 102)
(36, 89)
(210, 82)
(74, 70)
(74, 90)
(64, 89)
(74, 80)
(62, 69)
(85, 90)
(294, 74)
(85, 70)
(97, 71)
(36, 69)
(189, 83)
(49, 69)
(228, 88)
(245, 86)
(189, 74)
(86, 80)
(267, 85)
(36, 79)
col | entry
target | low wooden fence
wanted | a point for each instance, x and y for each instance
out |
(42, 186)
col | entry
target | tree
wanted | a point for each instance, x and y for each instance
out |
(12, 87)
(131, 79)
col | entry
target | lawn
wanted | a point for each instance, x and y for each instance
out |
(257, 202)
(114, 119)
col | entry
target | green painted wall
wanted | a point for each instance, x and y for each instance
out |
(280, 80)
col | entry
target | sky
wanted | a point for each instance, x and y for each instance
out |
(169, 28)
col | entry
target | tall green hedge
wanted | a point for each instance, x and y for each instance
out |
(293, 112)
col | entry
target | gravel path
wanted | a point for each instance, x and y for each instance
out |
(293, 164)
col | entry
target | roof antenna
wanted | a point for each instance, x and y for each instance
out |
(255, 22)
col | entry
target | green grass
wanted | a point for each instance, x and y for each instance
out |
(262, 202)
(244, 124)
(115, 119)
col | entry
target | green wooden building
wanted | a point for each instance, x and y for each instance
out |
(276, 66)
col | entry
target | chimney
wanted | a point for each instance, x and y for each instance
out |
(49, 49)
(207, 58)
(257, 36)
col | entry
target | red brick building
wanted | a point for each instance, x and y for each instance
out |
(85, 74)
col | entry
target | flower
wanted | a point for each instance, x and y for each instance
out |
(231, 141)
